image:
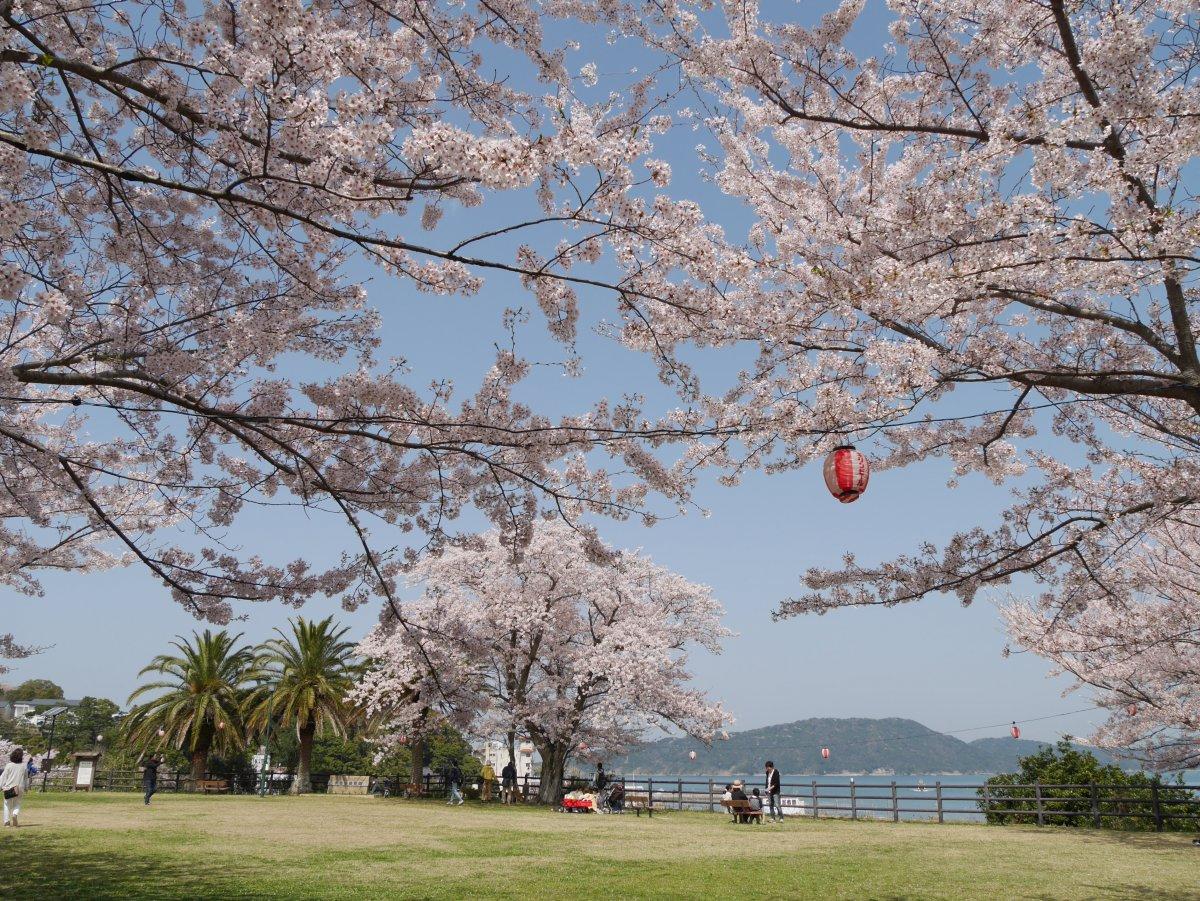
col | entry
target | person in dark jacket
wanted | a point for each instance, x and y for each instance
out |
(773, 792)
(508, 782)
(150, 776)
(454, 780)
(601, 777)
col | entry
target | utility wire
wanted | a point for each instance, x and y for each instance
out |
(934, 733)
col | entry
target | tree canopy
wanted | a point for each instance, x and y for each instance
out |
(34, 688)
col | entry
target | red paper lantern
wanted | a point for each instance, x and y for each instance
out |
(162, 732)
(1015, 730)
(692, 755)
(846, 473)
(825, 753)
(221, 725)
(1131, 709)
(403, 739)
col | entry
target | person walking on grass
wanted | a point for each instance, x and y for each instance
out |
(773, 792)
(150, 776)
(508, 782)
(13, 782)
(454, 778)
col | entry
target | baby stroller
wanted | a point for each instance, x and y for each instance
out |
(611, 798)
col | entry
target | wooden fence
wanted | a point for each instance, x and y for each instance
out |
(1153, 805)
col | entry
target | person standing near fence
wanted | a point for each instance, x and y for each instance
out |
(487, 776)
(773, 790)
(150, 776)
(508, 782)
(13, 782)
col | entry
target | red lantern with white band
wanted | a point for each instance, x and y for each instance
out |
(824, 753)
(1015, 730)
(846, 473)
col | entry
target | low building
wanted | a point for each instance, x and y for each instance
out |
(13, 710)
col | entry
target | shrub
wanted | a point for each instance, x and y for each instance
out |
(1072, 780)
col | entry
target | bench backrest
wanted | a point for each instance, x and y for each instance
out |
(739, 806)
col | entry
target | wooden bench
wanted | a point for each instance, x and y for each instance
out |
(743, 811)
(637, 802)
(212, 786)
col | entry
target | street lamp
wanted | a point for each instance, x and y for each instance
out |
(53, 713)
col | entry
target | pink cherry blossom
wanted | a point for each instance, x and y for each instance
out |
(562, 639)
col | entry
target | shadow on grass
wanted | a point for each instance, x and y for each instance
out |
(1138, 893)
(55, 870)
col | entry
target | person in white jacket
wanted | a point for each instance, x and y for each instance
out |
(13, 782)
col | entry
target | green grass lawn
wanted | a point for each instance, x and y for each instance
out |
(110, 846)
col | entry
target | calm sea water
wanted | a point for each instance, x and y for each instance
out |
(916, 794)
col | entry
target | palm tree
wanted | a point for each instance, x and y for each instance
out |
(200, 708)
(308, 676)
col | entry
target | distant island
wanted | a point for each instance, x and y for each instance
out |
(890, 745)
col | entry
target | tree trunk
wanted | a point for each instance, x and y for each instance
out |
(417, 780)
(199, 765)
(302, 784)
(554, 761)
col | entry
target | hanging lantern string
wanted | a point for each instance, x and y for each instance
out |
(926, 735)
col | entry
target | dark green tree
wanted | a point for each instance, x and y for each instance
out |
(447, 745)
(24, 734)
(34, 688)
(93, 717)
(1075, 786)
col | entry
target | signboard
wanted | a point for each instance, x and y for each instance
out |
(349, 785)
(85, 771)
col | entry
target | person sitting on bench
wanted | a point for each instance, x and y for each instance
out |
(739, 794)
(756, 801)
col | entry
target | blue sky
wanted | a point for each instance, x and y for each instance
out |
(935, 662)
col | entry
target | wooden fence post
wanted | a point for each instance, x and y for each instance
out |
(1095, 805)
(650, 795)
(895, 805)
(1037, 793)
(853, 801)
(1158, 817)
(941, 812)
(987, 804)
(711, 808)
(679, 791)
(814, 798)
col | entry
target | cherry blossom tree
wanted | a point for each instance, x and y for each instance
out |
(576, 645)
(977, 242)
(1133, 634)
(183, 185)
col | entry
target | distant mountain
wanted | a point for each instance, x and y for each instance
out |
(855, 745)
